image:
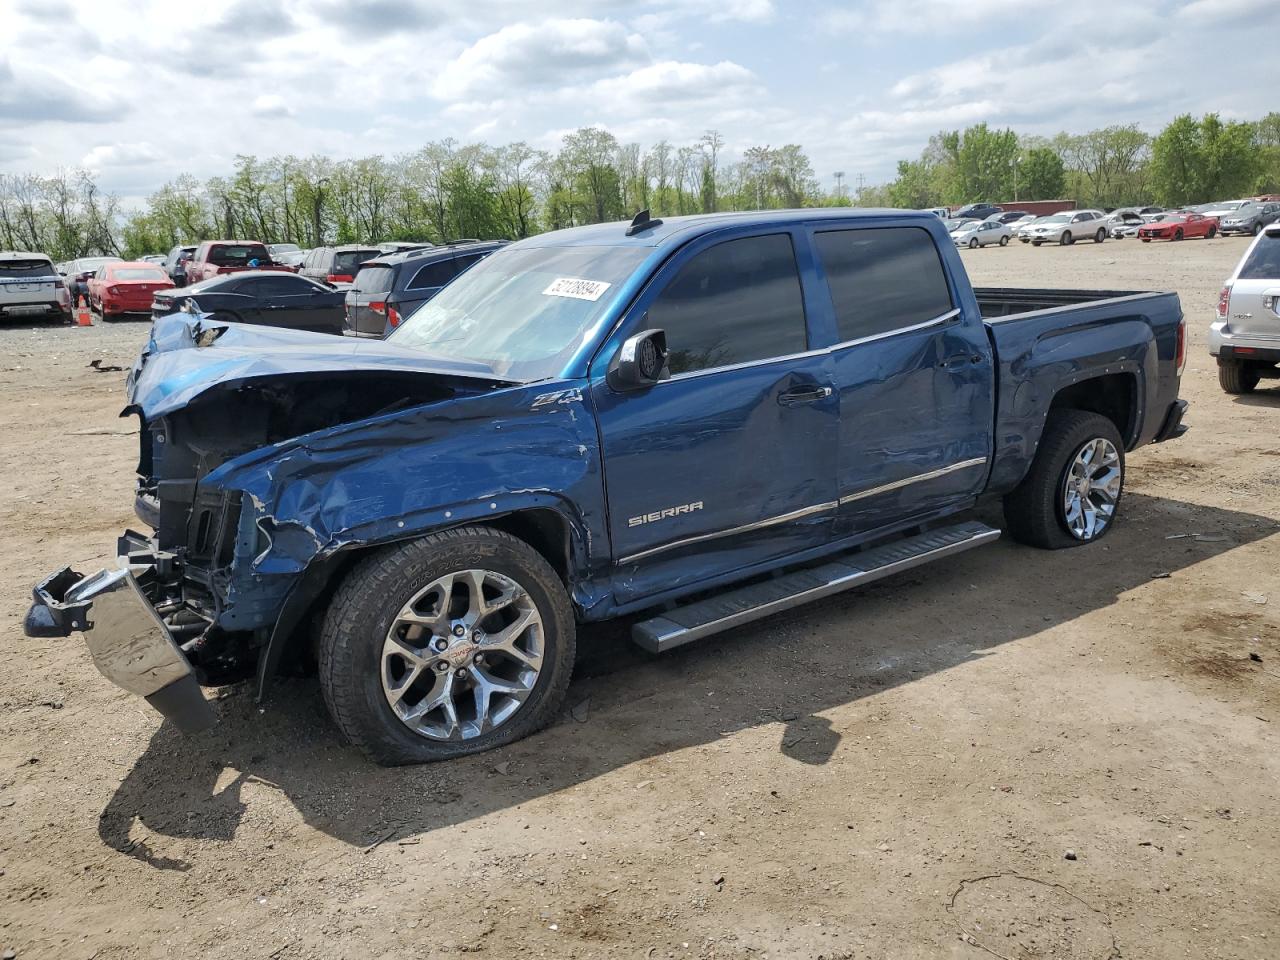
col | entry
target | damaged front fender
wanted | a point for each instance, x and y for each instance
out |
(404, 474)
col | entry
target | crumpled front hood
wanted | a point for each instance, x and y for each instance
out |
(188, 356)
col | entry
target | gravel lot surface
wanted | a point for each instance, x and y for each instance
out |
(1011, 753)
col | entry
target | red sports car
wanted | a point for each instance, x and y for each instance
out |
(126, 287)
(1179, 226)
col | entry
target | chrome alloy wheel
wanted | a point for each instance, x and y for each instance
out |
(463, 655)
(1091, 489)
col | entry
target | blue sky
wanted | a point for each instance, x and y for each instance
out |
(140, 91)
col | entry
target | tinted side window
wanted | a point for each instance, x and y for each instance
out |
(434, 275)
(468, 260)
(1264, 260)
(276, 287)
(733, 303)
(883, 279)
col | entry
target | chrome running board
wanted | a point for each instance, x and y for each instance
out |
(745, 604)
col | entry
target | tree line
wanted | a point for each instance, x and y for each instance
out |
(447, 191)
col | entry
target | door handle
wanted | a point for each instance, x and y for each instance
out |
(960, 360)
(798, 395)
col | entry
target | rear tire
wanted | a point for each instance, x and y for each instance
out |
(1237, 376)
(1034, 511)
(1036, 243)
(1004, 241)
(1066, 239)
(370, 605)
(1100, 235)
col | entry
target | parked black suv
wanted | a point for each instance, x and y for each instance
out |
(337, 264)
(391, 287)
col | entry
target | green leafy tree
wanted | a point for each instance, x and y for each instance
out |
(1041, 175)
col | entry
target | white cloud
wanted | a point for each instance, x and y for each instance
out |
(272, 105)
(526, 55)
(672, 85)
(106, 155)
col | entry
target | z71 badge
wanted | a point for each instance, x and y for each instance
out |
(664, 514)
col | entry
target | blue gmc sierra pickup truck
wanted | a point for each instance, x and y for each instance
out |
(695, 423)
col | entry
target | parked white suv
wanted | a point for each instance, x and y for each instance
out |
(1067, 228)
(1245, 335)
(31, 287)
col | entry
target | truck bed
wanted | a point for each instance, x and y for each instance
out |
(998, 302)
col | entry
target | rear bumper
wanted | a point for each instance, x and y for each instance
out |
(1223, 343)
(129, 643)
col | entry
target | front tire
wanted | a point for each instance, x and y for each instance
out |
(1066, 239)
(1237, 376)
(1213, 232)
(1071, 495)
(445, 646)
(1004, 241)
(973, 244)
(1257, 229)
(1177, 235)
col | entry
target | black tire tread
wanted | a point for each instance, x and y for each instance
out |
(1235, 377)
(378, 575)
(1031, 509)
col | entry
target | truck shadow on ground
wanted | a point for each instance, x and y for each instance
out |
(626, 707)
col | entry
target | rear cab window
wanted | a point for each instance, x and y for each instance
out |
(736, 302)
(238, 254)
(882, 279)
(1263, 261)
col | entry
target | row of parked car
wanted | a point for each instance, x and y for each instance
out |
(356, 290)
(980, 225)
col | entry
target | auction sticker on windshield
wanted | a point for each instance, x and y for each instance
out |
(577, 289)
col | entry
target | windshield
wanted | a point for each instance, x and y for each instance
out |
(522, 312)
(91, 264)
(1228, 205)
(1057, 218)
(139, 273)
(283, 247)
(964, 225)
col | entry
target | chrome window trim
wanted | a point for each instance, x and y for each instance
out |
(744, 528)
(907, 481)
(936, 321)
(924, 325)
(802, 512)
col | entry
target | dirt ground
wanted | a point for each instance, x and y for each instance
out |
(898, 772)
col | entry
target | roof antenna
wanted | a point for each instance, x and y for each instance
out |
(642, 221)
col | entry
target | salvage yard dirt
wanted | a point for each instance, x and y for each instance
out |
(1015, 753)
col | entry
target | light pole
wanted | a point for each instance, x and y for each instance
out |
(1015, 179)
(840, 184)
(318, 201)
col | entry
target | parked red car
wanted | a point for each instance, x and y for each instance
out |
(216, 257)
(126, 287)
(1179, 226)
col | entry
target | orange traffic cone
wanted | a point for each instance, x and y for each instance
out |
(83, 317)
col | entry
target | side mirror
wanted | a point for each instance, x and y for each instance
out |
(641, 362)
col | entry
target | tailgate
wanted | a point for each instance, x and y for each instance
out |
(1254, 309)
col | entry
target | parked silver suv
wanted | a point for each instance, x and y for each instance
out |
(1245, 335)
(31, 287)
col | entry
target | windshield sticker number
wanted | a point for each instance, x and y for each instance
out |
(576, 289)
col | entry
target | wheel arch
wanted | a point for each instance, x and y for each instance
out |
(547, 530)
(1113, 395)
